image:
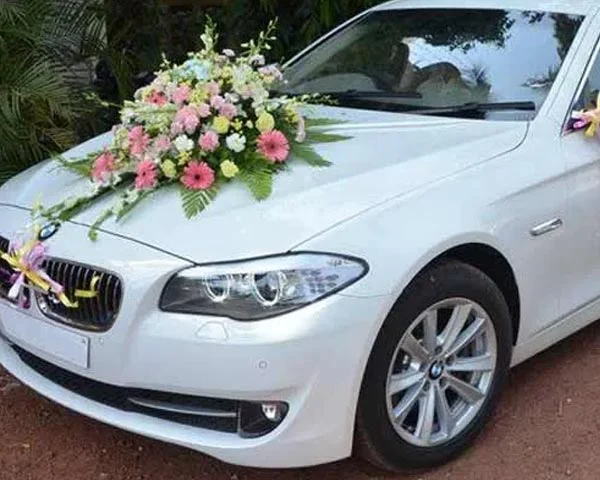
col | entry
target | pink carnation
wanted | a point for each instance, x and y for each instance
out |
(209, 141)
(146, 175)
(274, 146)
(213, 88)
(217, 102)
(138, 141)
(181, 94)
(198, 176)
(157, 98)
(203, 110)
(162, 143)
(186, 120)
(228, 110)
(104, 165)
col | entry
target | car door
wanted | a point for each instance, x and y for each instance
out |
(581, 275)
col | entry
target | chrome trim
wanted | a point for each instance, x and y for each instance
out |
(546, 227)
(182, 409)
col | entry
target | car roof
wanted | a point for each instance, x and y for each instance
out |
(578, 7)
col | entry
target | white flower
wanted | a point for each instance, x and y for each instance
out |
(258, 60)
(259, 93)
(131, 195)
(127, 114)
(236, 142)
(183, 143)
(232, 97)
(228, 52)
(118, 207)
(242, 74)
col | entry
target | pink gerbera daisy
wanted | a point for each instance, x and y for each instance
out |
(104, 165)
(157, 98)
(146, 175)
(274, 146)
(198, 176)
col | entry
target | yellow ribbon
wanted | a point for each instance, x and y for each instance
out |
(35, 279)
(594, 117)
(92, 292)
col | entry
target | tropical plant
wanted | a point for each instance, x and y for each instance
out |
(48, 53)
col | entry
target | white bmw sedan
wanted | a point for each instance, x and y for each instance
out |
(456, 234)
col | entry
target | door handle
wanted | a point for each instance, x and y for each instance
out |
(546, 227)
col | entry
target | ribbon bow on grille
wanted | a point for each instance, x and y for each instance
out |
(26, 260)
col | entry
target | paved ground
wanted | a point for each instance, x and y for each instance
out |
(547, 427)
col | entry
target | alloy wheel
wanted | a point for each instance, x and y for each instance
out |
(441, 372)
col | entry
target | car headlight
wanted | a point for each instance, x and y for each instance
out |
(258, 289)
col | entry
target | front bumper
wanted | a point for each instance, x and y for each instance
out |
(312, 359)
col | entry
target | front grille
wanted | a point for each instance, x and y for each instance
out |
(94, 314)
(208, 413)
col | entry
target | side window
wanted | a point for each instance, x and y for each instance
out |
(591, 88)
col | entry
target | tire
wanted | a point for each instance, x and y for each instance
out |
(410, 444)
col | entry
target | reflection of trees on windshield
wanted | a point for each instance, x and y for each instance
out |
(565, 29)
(440, 57)
(462, 29)
(386, 59)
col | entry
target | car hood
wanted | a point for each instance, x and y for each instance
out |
(388, 155)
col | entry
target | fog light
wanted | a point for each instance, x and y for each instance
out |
(273, 411)
(258, 419)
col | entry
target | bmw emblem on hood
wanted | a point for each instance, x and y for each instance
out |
(48, 231)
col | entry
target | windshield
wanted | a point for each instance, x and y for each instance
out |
(403, 60)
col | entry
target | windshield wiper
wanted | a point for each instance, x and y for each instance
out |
(356, 94)
(478, 107)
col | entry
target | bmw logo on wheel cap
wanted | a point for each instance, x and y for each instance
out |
(48, 231)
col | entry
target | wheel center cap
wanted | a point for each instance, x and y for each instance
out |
(436, 370)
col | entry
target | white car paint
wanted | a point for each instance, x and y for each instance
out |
(404, 190)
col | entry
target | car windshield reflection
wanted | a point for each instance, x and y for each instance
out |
(414, 60)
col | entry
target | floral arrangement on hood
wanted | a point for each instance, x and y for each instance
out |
(197, 127)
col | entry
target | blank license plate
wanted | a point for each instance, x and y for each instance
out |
(58, 342)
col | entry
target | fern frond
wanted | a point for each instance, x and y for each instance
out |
(195, 201)
(259, 182)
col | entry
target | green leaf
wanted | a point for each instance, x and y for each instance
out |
(309, 155)
(81, 167)
(260, 183)
(195, 201)
(322, 122)
(93, 233)
(322, 137)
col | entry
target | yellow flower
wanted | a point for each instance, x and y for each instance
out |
(199, 95)
(226, 73)
(229, 169)
(292, 115)
(169, 169)
(221, 124)
(265, 122)
(237, 125)
(184, 157)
